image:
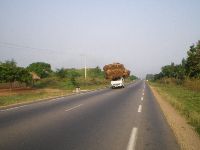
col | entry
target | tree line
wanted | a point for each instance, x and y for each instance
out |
(11, 73)
(188, 68)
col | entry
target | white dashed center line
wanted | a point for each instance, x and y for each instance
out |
(140, 108)
(142, 98)
(132, 140)
(73, 107)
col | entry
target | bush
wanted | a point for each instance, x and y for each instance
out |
(192, 84)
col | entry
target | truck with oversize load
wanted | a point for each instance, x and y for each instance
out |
(116, 73)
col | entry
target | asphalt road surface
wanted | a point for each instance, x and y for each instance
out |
(118, 119)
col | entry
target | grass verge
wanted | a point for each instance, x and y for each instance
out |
(29, 95)
(24, 96)
(186, 101)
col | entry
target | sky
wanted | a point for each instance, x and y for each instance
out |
(144, 35)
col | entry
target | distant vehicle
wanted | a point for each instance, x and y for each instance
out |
(117, 83)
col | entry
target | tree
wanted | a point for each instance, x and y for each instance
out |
(149, 77)
(23, 75)
(168, 70)
(132, 77)
(9, 73)
(9, 63)
(2, 74)
(61, 73)
(158, 76)
(193, 61)
(179, 72)
(189, 67)
(72, 73)
(173, 71)
(96, 72)
(42, 69)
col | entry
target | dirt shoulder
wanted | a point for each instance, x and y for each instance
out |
(187, 138)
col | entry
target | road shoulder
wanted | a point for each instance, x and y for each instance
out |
(187, 138)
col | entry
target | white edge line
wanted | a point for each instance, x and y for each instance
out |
(73, 107)
(13, 108)
(140, 108)
(132, 140)
(17, 107)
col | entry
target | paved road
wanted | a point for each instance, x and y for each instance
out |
(120, 119)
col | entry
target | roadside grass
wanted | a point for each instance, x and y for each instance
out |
(191, 84)
(47, 88)
(31, 95)
(186, 101)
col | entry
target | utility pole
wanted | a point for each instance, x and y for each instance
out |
(85, 65)
(85, 68)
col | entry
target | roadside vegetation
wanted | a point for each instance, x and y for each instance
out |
(186, 101)
(180, 85)
(39, 81)
(29, 95)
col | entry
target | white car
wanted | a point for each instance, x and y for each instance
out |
(117, 83)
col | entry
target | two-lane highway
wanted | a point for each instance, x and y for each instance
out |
(119, 119)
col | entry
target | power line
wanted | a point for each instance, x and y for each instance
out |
(6, 44)
(14, 45)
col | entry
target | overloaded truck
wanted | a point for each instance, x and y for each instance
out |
(116, 73)
(116, 83)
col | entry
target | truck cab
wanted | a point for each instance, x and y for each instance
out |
(117, 83)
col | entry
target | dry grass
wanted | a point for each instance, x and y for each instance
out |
(192, 84)
(27, 95)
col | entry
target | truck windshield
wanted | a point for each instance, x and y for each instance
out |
(116, 79)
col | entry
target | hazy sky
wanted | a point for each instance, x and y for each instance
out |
(142, 34)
